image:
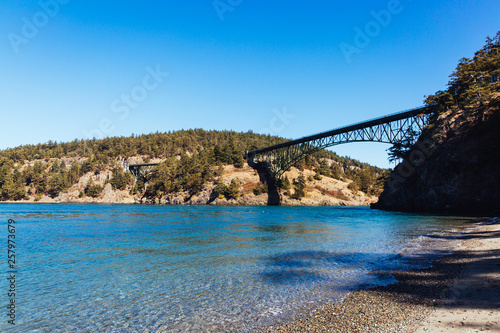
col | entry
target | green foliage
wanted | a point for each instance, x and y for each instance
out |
(74, 173)
(93, 190)
(56, 184)
(89, 165)
(317, 177)
(120, 179)
(367, 180)
(187, 174)
(202, 156)
(12, 189)
(323, 168)
(233, 190)
(260, 188)
(138, 187)
(472, 83)
(220, 188)
(228, 147)
(284, 183)
(401, 149)
(353, 186)
(299, 187)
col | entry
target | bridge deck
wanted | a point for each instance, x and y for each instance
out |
(377, 121)
(144, 164)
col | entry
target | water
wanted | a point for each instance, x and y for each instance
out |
(134, 268)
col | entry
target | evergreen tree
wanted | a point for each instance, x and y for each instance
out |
(233, 190)
(299, 187)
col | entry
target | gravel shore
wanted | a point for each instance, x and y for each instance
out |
(408, 304)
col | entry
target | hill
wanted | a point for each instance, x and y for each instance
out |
(195, 167)
(454, 167)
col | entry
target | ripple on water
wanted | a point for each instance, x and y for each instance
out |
(115, 268)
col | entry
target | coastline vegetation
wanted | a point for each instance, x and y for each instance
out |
(190, 159)
(460, 175)
(473, 87)
(473, 83)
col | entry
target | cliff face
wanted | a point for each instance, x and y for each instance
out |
(454, 167)
(325, 192)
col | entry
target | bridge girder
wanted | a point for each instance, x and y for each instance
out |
(406, 128)
(140, 170)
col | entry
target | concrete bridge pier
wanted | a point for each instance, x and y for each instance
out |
(273, 191)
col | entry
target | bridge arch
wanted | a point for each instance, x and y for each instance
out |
(400, 127)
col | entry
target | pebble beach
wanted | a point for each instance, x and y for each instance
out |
(459, 293)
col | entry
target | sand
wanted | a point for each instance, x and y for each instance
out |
(475, 302)
(459, 293)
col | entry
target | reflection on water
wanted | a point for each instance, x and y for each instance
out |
(183, 268)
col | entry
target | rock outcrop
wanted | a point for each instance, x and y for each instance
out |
(324, 192)
(454, 168)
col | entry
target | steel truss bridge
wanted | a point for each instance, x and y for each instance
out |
(402, 127)
(140, 170)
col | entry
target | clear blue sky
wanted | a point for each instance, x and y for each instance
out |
(68, 66)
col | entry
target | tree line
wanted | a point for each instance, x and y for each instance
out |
(473, 85)
(192, 158)
(474, 81)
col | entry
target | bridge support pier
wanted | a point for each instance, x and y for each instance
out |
(273, 191)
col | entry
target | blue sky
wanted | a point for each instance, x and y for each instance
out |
(73, 69)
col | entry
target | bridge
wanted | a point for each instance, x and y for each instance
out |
(140, 170)
(405, 126)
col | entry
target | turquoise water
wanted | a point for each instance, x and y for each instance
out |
(135, 268)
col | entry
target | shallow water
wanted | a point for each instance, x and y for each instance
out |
(121, 268)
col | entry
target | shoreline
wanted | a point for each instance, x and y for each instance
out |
(459, 292)
(174, 204)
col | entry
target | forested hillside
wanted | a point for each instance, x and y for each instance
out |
(189, 160)
(455, 165)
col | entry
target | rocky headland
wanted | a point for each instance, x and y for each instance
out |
(324, 192)
(453, 168)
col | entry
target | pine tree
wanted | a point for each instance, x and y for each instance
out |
(233, 190)
(299, 187)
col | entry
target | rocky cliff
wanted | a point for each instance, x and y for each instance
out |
(325, 192)
(454, 167)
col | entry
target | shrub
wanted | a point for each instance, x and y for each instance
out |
(93, 190)
(299, 186)
(318, 177)
(120, 179)
(233, 190)
(284, 183)
(260, 188)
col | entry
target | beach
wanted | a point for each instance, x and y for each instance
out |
(459, 293)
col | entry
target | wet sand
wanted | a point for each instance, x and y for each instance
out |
(459, 293)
